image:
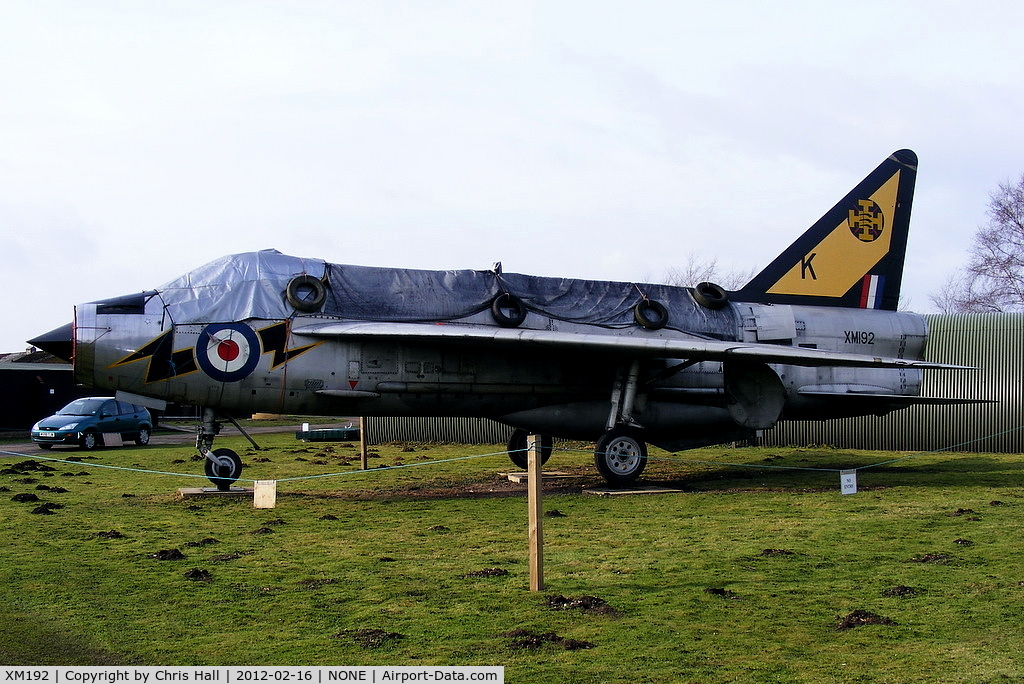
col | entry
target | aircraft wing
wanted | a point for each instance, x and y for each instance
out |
(691, 347)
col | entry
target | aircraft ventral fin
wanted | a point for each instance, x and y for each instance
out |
(690, 347)
(874, 397)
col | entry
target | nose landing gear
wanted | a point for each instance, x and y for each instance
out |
(222, 466)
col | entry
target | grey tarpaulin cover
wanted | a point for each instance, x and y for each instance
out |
(252, 286)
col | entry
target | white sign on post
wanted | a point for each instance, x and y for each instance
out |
(264, 494)
(848, 481)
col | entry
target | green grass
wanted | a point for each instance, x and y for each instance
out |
(290, 596)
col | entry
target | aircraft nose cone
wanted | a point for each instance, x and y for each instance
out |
(58, 342)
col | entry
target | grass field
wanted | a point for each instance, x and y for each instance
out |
(746, 575)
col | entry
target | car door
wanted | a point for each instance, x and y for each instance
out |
(108, 418)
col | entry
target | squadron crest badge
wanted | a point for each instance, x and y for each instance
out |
(866, 220)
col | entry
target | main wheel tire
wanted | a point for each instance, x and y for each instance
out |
(508, 310)
(225, 471)
(142, 439)
(90, 441)
(517, 446)
(620, 456)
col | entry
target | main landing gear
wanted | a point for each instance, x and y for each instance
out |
(222, 466)
(621, 452)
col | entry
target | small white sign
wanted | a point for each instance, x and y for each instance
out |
(848, 481)
(264, 494)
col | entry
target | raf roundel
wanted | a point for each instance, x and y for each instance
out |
(228, 352)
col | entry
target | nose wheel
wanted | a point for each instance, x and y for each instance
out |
(223, 467)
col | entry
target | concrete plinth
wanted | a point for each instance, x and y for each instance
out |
(213, 492)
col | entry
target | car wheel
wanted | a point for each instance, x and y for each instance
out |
(143, 438)
(89, 441)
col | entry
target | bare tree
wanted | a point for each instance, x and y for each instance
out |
(699, 270)
(993, 280)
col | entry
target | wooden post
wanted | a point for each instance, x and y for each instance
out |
(536, 506)
(362, 445)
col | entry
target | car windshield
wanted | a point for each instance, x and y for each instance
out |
(81, 407)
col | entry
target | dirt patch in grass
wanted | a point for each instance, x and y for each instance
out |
(206, 541)
(26, 467)
(369, 638)
(722, 593)
(524, 639)
(587, 604)
(198, 575)
(860, 618)
(110, 534)
(488, 572)
(168, 555)
(317, 583)
(900, 591)
(223, 557)
(934, 559)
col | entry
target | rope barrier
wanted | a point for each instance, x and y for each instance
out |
(762, 466)
(241, 479)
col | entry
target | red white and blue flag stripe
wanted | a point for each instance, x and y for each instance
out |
(871, 291)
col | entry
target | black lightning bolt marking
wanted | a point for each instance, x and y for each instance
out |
(164, 362)
(275, 339)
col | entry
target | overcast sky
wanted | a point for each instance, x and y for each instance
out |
(605, 140)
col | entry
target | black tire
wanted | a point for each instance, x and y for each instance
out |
(306, 293)
(90, 441)
(710, 295)
(225, 471)
(620, 456)
(508, 310)
(650, 314)
(142, 439)
(517, 445)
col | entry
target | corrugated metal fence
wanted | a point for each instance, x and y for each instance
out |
(992, 342)
(450, 430)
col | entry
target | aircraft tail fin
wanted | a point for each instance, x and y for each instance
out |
(853, 255)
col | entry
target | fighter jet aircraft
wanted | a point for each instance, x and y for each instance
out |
(815, 335)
